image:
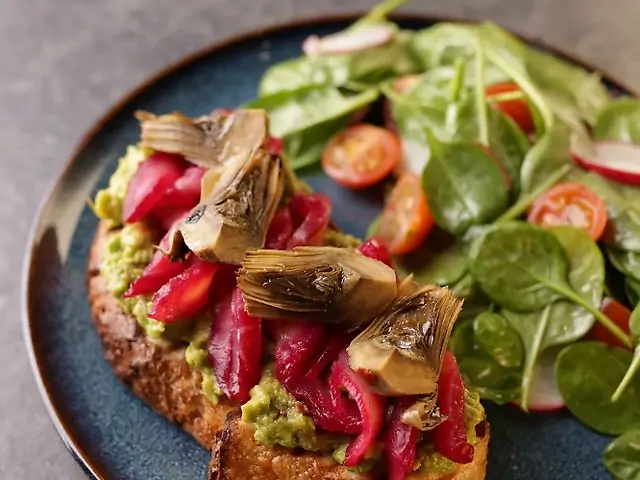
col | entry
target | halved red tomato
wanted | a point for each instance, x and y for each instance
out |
(361, 156)
(517, 109)
(406, 220)
(571, 204)
(619, 314)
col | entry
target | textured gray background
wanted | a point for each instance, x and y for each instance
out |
(63, 62)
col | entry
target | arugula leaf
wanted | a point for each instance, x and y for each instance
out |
(620, 120)
(587, 373)
(622, 456)
(479, 370)
(634, 326)
(563, 321)
(464, 186)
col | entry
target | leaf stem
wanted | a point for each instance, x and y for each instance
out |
(628, 376)
(532, 356)
(605, 321)
(521, 206)
(380, 12)
(481, 103)
(457, 80)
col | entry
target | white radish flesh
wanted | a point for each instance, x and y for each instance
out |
(349, 41)
(543, 393)
(616, 160)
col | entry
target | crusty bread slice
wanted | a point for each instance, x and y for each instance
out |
(158, 373)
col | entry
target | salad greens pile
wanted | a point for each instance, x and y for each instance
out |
(530, 292)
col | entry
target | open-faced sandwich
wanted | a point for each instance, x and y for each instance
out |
(225, 297)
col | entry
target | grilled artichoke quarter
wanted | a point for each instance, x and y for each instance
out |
(210, 141)
(320, 284)
(401, 351)
(235, 216)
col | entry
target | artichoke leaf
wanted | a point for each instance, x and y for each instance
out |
(321, 284)
(401, 351)
(425, 414)
(210, 141)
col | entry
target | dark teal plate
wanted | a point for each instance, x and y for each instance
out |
(112, 433)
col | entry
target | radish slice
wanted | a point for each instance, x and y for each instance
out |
(616, 160)
(414, 157)
(544, 395)
(348, 41)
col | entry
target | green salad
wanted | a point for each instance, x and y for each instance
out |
(513, 178)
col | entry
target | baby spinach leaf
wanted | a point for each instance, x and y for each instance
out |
(464, 186)
(498, 338)
(293, 112)
(623, 210)
(620, 120)
(479, 370)
(625, 262)
(436, 262)
(634, 326)
(563, 321)
(632, 290)
(369, 66)
(546, 157)
(519, 266)
(622, 456)
(587, 374)
(443, 44)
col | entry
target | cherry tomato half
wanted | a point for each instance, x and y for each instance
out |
(517, 109)
(570, 204)
(619, 314)
(406, 220)
(361, 156)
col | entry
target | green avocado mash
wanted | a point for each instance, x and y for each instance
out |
(109, 201)
(335, 238)
(198, 358)
(127, 252)
(278, 418)
(367, 464)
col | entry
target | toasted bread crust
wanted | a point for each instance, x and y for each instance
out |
(159, 374)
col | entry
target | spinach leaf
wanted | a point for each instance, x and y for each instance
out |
(622, 456)
(499, 339)
(620, 120)
(369, 66)
(440, 260)
(634, 326)
(546, 157)
(632, 290)
(587, 373)
(479, 370)
(623, 210)
(625, 262)
(563, 321)
(464, 186)
(293, 112)
(516, 264)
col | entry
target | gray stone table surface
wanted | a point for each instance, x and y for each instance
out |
(63, 62)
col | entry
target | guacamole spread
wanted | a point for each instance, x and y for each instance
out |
(197, 357)
(109, 201)
(279, 418)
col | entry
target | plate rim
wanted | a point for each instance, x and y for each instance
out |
(72, 444)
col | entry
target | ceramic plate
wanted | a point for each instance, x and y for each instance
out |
(112, 433)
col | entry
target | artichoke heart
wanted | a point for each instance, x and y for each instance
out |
(322, 284)
(401, 351)
(424, 414)
(235, 216)
(209, 141)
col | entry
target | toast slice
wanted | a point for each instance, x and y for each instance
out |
(159, 374)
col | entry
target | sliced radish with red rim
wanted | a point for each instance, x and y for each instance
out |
(544, 394)
(348, 41)
(618, 161)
